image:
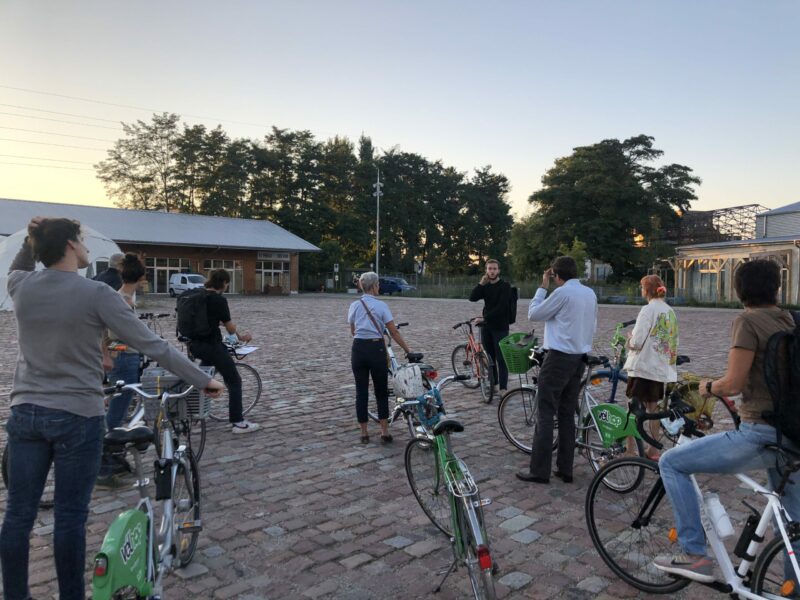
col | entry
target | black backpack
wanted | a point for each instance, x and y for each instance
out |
(192, 311)
(782, 374)
(512, 305)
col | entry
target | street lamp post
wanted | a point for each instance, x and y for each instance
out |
(377, 185)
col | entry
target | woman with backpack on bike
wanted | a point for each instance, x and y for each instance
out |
(756, 283)
(652, 352)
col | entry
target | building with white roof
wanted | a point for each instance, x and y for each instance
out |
(260, 256)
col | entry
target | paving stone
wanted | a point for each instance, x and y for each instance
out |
(508, 512)
(516, 580)
(193, 569)
(526, 536)
(424, 547)
(517, 523)
(351, 562)
(398, 542)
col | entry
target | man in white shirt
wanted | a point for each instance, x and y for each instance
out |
(570, 320)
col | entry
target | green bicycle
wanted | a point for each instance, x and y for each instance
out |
(448, 494)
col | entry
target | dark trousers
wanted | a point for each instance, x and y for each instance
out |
(37, 438)
(490, 339)
(556, 396)
(215, 354)
(368, 357)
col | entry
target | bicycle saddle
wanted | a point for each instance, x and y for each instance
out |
(448, 426)
(120, 436)
(682, 359)
(593, 361)
(414, 357)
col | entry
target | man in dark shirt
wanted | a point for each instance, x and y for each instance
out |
(496, 296)
(212, 352)
(111, 275)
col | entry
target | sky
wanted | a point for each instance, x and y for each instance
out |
(511, 84)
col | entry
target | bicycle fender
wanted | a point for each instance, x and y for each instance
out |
(125, 552)
(614, 423)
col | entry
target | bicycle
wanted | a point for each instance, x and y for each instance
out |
(152, 321)
(135, 556)
(406, 409)
(449, 497)
(647, 524)
(471, 359)
(186, 419)
(251, 380)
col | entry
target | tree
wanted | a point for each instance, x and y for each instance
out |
(140, 169)
(606, 195)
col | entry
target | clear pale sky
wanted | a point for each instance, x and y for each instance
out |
(511, 84)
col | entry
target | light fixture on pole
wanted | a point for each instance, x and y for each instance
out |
(377, 193)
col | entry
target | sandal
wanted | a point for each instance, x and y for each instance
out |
(365, 439)
(386, 438)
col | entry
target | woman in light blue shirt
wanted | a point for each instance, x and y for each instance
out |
(369, 318)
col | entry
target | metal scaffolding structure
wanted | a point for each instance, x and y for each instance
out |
(722, 224)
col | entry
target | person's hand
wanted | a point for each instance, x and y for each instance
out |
(484, 280)
(546, 276)
(108, 362)
(477, 320)
(35, 222)
(214, 388)
(704, 388)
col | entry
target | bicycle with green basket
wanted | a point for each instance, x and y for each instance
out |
(449, 496)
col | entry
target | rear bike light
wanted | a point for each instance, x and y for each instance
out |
(100, 566)
(431, 374)
(484, 558)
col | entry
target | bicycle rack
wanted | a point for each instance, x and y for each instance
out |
(458, 479)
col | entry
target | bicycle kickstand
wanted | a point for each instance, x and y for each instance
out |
(449, 570)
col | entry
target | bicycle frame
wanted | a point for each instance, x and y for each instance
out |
(125, 559)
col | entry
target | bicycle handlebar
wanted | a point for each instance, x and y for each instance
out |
(145, 316)
(137, 388)
(677, 409)
(628, 323)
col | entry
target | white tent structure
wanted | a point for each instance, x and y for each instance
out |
(100, 249)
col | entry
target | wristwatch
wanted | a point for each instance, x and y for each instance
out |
(708, 386)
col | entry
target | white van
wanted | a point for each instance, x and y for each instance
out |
(180, 282)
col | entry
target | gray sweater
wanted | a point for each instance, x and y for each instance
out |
(61, 317)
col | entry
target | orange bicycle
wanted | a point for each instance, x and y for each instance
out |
(471, 359)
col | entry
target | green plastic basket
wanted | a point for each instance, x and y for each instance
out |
(516, 352)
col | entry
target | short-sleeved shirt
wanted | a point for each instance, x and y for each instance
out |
(751, 330)
(364, 328)
(218, 312)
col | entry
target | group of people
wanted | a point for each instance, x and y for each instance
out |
(65, 325)
(569, 313)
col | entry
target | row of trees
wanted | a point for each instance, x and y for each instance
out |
(605, 201)
(320, 191)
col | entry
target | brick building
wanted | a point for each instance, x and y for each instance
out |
(260, 256)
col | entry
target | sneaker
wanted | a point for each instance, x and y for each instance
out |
(244, 427)
(697, 568)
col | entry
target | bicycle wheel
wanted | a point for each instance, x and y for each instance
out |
(631, 529)
(462, 358)
(516, 413)
(196, 437)
(427, 482)
(251, 392)
(186, 509)
(773, 576)
(598, 455)
(48, 493)
(484, 376)
(480, 579)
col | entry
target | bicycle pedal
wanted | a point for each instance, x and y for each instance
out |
(190, 526)
(482, 502)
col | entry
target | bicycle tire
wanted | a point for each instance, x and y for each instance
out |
(484, 375)
(516, 413)
(47, 499)
(462, 361)
(766, 580)
(480, 579)
(196, 441)
(186, 492)
(251, 392)
(599, 456)
(630, 551)
(426, 479)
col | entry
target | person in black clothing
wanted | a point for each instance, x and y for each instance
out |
(111, 275)
(496, 295)
(212, 352)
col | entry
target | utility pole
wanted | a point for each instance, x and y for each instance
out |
(377, 193)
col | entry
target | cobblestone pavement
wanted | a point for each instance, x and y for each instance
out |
(301, 509)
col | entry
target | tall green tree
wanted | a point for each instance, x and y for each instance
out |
(610, 197)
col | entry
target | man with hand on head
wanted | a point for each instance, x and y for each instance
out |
(496, 295)
(570, 320)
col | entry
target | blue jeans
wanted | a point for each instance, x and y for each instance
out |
(37, 438)
(728, 452)
(126, 368)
